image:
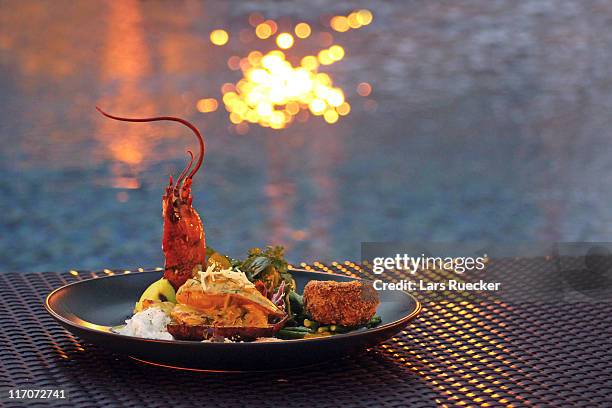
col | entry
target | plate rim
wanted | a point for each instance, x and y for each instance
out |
(337, 337)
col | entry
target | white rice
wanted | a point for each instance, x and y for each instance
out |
(219, 340)
(149, 324)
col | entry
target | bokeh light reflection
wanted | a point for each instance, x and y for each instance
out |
(273, 91)
(280, 86)
(219, 37)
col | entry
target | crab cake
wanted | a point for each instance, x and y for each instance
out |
(345, 303)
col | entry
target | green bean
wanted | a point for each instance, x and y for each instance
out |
(287, 334)
(298, 329)
(342, 329)
(311, 324)
(374, 321)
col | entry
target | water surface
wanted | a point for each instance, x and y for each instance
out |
(488, 121)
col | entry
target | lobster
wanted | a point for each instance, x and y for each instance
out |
(184, 240)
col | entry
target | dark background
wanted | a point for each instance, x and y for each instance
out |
(489, 121)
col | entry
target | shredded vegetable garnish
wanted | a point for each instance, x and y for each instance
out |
(210, 275)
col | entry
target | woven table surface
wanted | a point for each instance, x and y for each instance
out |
(477, 353)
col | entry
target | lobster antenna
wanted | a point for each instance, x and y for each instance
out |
(173, 119)
(183, 173)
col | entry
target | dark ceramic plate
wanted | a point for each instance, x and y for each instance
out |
(90, 307)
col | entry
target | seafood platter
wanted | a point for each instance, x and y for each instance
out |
(209, 311)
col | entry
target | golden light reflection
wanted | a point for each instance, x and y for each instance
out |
(324, 57)
(284, 41)
(475, 337)
(365, 17)
(254, 57)
(334, 54)
(344, 109)
(126, 62)
(354, 20)
(302, 30)
(207, 105)
(340, 24)
(263, 31)
(266, 29)
(330, 116)
(219, 37)
(272, 91)
(310, 62)
(272, 24)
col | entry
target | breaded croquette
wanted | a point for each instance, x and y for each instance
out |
(345, 303)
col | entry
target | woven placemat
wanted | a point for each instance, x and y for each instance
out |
(477, 353)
